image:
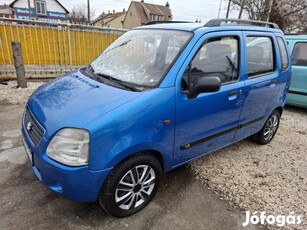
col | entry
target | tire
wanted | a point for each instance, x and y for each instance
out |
(131, 185)
(267, 133)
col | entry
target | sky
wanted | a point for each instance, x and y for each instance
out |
(187, 10)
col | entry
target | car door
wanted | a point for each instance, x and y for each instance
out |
(261, 78)
(209, 121)
(298, 88)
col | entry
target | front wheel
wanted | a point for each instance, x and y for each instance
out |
(131, 185)
(266, 134)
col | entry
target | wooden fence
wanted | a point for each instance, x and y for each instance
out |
(51, 49)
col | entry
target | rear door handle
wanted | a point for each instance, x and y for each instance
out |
(273, 81)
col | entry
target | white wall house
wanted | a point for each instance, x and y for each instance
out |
(42, 10)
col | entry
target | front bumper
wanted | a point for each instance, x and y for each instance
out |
(75, 183)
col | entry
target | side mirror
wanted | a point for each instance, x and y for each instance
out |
(205, 85)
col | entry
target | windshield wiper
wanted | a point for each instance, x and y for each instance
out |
(115, 47)
(122, 83)
(90, 67)
(233, 68)
(90, 72)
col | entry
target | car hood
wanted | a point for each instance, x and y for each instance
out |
(74, 101)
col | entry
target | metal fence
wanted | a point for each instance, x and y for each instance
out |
(51, 49)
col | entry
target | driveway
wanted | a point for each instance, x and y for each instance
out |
(182, 202)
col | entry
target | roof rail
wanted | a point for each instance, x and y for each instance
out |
(303, 33)
(223, 21)
(161, 22)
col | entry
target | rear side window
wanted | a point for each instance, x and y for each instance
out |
(260, 56)
(283, 53)
(299, 55)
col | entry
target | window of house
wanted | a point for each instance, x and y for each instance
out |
(283, 53)
(299, 55)
(218, 57)
(40, 7)
(155, 17)
(260, 55)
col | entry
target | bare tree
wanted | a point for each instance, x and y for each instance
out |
(79, 14)
(289, 15)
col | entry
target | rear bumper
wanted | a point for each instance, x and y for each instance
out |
(76, 183)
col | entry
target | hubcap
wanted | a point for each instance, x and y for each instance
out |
(135, 187)
(270, 128)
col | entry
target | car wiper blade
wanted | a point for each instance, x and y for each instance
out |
(233, 67)
(128, 85)
(89, 72)
(122, 83)
(90, 67)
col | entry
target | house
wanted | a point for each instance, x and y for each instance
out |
(111, 20)
(140, 13)
(6, 11)
(42, 10)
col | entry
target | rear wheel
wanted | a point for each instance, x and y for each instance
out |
(131, 185)
(267, 133)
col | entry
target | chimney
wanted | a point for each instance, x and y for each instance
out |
(113, 11)
(124, 10)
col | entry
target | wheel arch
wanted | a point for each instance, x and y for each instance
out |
(280, 109)
(151, 152)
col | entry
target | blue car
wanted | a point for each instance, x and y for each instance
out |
(159, 97)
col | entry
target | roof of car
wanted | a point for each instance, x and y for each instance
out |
(296, 36)
(199, 26)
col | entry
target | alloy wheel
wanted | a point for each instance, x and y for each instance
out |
(135, 187)
(270, 128)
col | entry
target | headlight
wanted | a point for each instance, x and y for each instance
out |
(70, 147)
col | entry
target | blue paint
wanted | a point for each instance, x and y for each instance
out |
(122, 122)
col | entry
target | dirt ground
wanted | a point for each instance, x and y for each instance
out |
(270, 178)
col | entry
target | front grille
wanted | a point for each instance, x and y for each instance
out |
(34, 130)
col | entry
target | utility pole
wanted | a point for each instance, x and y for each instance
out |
(228, 8)
(270, 10)
(29, 7)
(35, 10)
(88, 11)
(218, 16)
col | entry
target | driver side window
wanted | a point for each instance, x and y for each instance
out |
(218, 57)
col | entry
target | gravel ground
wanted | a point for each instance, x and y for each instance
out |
(17, 96)
(271, 178)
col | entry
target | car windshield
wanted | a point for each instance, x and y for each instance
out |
(141, 57)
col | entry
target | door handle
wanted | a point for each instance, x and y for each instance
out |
(273, 81)
(232, 93)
